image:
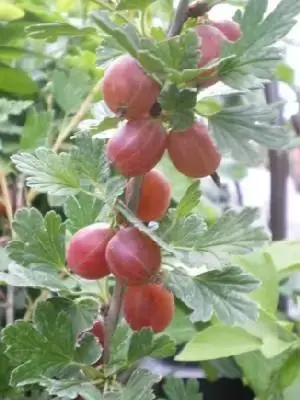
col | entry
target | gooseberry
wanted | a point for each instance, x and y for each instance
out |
(193, 152)
(132, 256)
(148, 306)
(86, 251)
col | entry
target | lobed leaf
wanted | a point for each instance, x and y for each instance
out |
(40, 240)
(222, 293)
(48, 172)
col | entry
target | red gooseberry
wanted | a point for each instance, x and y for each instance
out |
(193, 152)
(132, 256)
(148, 306)
(137, 146)
(127, 89)
(210, 45)
(155, 196)
(98, 331)
(2, 209)
(230, 29)
(86, 251)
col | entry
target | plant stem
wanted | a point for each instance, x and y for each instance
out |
(181, 15)
(6, 198)
(111, 320)
(112, 317)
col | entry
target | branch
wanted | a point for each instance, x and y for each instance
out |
(112, 317)
(181, 15)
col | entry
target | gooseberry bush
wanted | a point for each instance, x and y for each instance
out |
(131, 273)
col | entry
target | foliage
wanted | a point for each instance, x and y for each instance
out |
(222, 271)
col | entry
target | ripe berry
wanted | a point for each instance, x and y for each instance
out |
(155, 196)
(230, 29)
(98, 331)
(137, 147)
(210, 46)
(2, 209)
(127, 89)
(86, 251)
(132, 256)
(148, 306)
(193, 152)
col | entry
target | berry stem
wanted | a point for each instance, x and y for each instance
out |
(112, 317)
(181, 15)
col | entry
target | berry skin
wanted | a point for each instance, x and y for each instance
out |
(98, 331)
(127, 89)
(193, 152)
(230, 29)
(148, 306)
(86, 251)
(137, 146)
(155, 196)
(133, 257)
(2, 209)
(210, 46)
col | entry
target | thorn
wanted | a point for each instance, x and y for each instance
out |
(216, 178)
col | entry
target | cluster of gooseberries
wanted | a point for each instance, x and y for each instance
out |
(139, 144)
(99, 250)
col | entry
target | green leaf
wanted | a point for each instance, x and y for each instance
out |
(15, 80)
(36, 130)
(139, 387)
(12, 107)
(290, 371)
(176, 389)
(29, 277)
(81, 210)
(232, 233)
(181, 232)
(82, 311)
(53, 31)
(5, 371)
(48, 172)
(181, 329)
(262, 373)
(261, 266)
(12, 52)
(10, 12)
(234, 127)
(69, 389)
(40, 240)
(208, 107)
(189, 201)
(218, 341)
(46, 348)
(119, 348)
(126, 36)
(108, 51)
(145, 344)
(252, 52)
(134, 4)
(88, 156)
(88, 352)
(106, 119)
(285, 256)
(221, 292)
(175, 58)
(285, 73)
(70, 89)
(276, 338)
(178, 104)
